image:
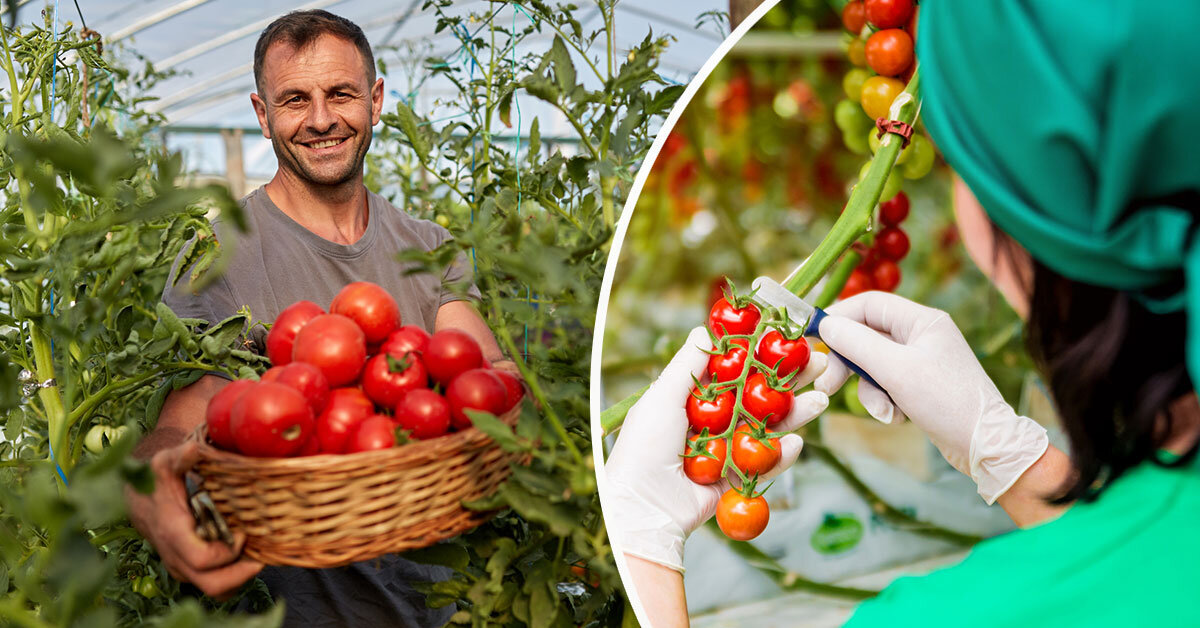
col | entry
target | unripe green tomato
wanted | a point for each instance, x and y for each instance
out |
(922, 158)
(891, 187)
(850, 390)
(442, 219)
(852, 83)
(874, 141)
(846, 115)
(146, 587)
(94, 441)
(855, 142)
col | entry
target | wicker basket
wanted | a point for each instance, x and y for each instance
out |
(332, 510)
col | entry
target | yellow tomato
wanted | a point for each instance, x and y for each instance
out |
(878, 92)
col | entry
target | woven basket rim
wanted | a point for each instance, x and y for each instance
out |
(465, 440)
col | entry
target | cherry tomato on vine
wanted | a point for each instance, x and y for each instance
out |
(894, 211)
(724, 318)
(889, 52)
(892, 243)
(377, 432)
(764, 402)
(369, 305)
(786, 355)
(854, 17)
(888, 13)
(424, 413)
(451, 352)
(701, 469)
(886, 275)
(742, 518)
(859, 281)
(856, 51)
(728, 366)
(218, 413)
(287, 325)
(335, 344)
(921, 160)
(752, 455)
(715, 413)
(852, 84)
(878, 92)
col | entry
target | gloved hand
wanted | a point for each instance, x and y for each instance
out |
(650, 506)
(921, 358)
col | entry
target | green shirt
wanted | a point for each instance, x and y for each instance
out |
(1131, 558)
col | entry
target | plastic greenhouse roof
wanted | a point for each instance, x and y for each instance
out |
(211, 44)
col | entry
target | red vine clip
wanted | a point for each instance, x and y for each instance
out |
(896, 127)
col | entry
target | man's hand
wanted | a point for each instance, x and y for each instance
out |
(165, 519)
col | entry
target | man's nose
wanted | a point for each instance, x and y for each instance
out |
(320, 117)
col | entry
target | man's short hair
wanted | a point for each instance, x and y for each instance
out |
(301, 28)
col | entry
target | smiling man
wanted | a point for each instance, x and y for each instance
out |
(311, 230)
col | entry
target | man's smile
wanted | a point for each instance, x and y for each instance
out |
(324, 145)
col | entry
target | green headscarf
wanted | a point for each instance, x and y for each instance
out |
(1077, 125)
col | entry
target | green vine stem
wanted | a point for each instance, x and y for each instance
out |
(783, 577)
(880, 507)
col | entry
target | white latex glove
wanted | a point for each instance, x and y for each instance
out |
(920, 357)
(650, 506)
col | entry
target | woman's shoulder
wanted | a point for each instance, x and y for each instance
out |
(1107, 562)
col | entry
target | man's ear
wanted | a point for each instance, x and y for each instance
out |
(376, 101)
(260, 110)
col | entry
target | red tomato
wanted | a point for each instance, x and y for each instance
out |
(287, 325)
(424, 413)
(889, 52)
(886, 275)
(514, 388)
(476, 389)
(854, 17)
(859, 281)
(888, 13)
(218, 413)
(892, 243)
(370, 306)
(271, 420)
(715, 414)
(726, 319)
(306, 379)
(752, 455)
(765, 403)
(407, 339)
(728, 366)
(347, 408)
(377, 432)
(387, 379)
(702, 469)
(785, 355)
(311, 447)
(892, 212)
(335, 344)
(450, 352)
(742, 518)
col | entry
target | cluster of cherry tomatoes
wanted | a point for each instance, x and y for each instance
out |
(879, 268)
(733, 405)
(881, 36)
(354, 379)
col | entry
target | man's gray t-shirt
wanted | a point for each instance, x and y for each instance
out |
(276, 263)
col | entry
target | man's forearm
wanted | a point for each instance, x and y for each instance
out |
(182, 412)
